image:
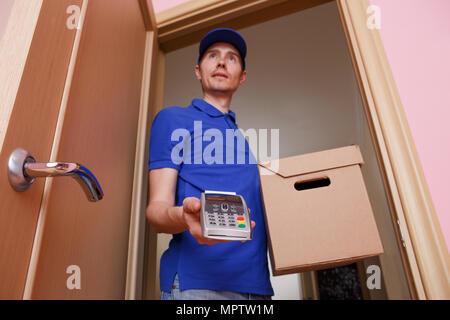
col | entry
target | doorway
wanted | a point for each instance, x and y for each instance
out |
(302, 82)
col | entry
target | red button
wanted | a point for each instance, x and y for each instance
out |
(240, 218)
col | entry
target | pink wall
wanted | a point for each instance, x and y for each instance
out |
(416, 37)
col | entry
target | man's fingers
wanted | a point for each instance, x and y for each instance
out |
(207, 241)
(191, 205)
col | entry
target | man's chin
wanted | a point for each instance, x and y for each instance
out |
(222, 91)
(222, 87)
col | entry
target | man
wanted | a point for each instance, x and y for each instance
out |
(194, 267)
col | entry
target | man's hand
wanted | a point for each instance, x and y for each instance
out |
(191, 216)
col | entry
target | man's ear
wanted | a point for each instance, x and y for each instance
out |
(243, 77)
(197, 72)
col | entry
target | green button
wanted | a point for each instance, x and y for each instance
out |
(241, 225)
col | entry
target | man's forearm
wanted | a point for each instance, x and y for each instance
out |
(165, 218)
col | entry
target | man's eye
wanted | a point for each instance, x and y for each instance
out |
(232, 59)
(212, 55)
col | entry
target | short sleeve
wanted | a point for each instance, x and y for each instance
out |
(161, 143)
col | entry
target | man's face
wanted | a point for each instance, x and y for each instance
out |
(220, 69)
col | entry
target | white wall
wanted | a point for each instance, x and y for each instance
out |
(299, 71)
(301, 81)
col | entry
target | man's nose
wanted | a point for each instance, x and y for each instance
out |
(221, 62)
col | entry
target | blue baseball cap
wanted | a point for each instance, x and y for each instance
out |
(223, 35)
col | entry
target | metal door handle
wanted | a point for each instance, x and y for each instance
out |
(23, 170)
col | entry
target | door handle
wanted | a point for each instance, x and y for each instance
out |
(23, 170)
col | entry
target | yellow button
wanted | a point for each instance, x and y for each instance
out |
(241, 222)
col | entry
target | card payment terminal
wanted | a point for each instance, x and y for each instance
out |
(225, 216)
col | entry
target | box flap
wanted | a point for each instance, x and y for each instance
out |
(323, 265)
(316, 161)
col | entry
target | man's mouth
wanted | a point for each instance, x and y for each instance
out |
(220, 75)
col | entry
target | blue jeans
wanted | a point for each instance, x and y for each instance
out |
(202, 294)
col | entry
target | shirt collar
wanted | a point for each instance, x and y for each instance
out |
(204, 106)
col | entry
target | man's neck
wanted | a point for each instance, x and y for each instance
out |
(222, 102)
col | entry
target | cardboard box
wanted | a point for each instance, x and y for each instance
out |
(317, 211)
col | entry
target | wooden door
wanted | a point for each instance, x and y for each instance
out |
(79, 100)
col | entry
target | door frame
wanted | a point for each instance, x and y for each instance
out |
(423, 249)
(141, 240)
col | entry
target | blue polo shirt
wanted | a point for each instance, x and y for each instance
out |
(210, 153)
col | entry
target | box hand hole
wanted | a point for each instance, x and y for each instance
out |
(312, 184)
